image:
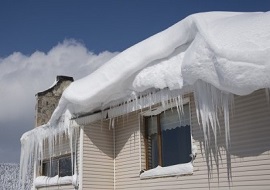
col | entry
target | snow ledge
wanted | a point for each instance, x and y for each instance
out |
(44, 181)
(175, 170)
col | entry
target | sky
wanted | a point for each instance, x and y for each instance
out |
(42, 39)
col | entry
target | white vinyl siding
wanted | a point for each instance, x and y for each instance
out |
(247, 167)
(97, 156)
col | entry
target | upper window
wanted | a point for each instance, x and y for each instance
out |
(57, 166)
(168, 138)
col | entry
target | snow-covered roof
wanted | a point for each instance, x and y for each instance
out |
(229, 50)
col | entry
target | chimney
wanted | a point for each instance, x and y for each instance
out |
(47, 101)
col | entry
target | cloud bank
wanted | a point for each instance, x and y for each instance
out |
(22, 76)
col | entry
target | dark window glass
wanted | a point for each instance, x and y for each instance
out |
(45, 168)
(54, 168)
(65, 168)
(152, 142)
(58, 166)
(50, 168)
(176, 146)
(169, 133)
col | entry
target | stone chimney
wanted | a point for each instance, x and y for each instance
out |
(47, 101)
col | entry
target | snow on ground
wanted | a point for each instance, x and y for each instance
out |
(9, 177)
(216, 53)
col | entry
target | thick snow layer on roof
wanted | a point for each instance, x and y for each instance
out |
(228, 50)
(231, 53)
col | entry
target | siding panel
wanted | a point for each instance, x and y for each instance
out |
(98, 154)
(247, 166)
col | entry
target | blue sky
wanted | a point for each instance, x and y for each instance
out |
(113, 25)
(41, 30)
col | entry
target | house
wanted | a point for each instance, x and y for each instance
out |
(187, 108)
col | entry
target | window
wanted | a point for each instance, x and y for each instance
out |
(60, 166)
(168, 138)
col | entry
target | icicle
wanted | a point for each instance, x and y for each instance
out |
(33, 144)
(209, 102)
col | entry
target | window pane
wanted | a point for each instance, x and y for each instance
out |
(54, 168)
(176, 138)
(152, 125)
(45, 168)
(170, 119)
(65, 168)
(152, 142)
(50, 168)
(154, 152)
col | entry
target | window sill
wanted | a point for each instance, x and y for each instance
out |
(175, 170)
(44, 181)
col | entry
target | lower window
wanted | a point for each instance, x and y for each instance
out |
(168, 138)
(60, 166)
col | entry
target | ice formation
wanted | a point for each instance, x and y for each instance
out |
(214, 54)
(35, 142)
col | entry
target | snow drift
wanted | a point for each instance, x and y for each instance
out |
(215, 54)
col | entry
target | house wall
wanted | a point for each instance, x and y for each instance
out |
(98, 162)
(246, 166)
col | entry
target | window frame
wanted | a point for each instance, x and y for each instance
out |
(157, 112)
(57, 159)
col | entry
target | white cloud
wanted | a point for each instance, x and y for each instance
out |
(21, 77)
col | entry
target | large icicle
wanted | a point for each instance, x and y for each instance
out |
(211, 101)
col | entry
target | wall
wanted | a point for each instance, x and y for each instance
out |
(98, 167)
(246, 166)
